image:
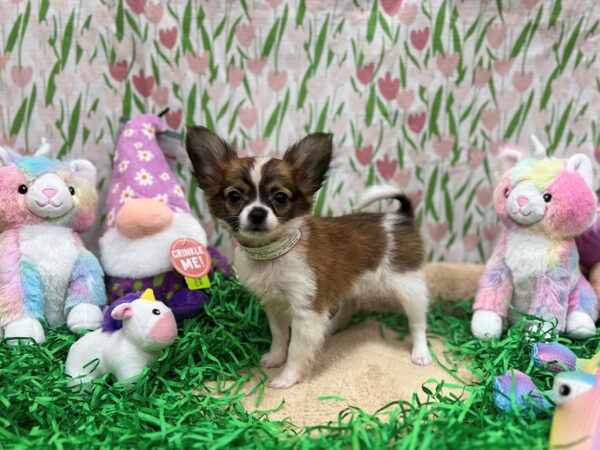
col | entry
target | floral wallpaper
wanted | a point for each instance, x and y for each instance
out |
(419, 94)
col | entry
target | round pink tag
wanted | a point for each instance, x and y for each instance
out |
(190, 258)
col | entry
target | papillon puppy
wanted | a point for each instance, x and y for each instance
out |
(305, 268)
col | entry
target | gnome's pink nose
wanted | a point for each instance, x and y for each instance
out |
(522, 201)
(143, 217)
(49, 192)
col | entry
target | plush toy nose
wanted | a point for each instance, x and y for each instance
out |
(165, 328)
(49, 192)
(522, 201)
(143, 217)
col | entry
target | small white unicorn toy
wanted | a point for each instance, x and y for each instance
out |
(135, 331)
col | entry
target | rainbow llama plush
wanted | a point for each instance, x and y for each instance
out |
(544, 203)
(45, 271)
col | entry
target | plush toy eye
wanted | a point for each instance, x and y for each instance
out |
(281, 198)
(547, 197)
(234, 196)
(570, 385)
(72, 190)
(156, 312)
(506, 193)
(23, 189)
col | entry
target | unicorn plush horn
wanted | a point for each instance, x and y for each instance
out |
(538, 147)
(44, 149)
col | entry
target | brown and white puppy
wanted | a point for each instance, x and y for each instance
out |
(301, 266)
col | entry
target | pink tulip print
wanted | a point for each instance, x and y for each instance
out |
(276, 80)
(388, 87)
(244, 33)
(391, 7)
(419, 38)
(387, 167)
(364, 154)
(21, 76)
(136, 6)
(248, 115)
(235, 76)
(118, 70)
(168, 37)
(143, 84)
(405, 98)
(173, 119)
(365, 73)
(256, 65)
(198, 62)
(416, 121)
(4, 58)
(154, 12)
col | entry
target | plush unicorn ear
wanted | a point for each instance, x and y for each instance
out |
(84, 168)
(5, 159)
(122, 311)
(509, 157)
(8, 157)
(582, 164)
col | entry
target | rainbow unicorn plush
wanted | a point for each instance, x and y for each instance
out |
(45, 270)
(544, 203)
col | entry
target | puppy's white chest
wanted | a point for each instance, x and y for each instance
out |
(287, 279)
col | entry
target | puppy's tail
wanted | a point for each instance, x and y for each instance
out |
(384, 192)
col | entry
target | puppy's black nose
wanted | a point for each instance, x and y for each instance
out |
(257, 215)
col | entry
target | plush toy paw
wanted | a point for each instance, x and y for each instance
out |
(273, 359)
(23, 330)
(84, 316)
(580, 325)
(486, 325)
(285, 379)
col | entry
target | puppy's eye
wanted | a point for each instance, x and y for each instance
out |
(281, 198)
(547, 197)
(234, 196)
(506, 192)
(23, 189)
(72, 190)
(156, 312)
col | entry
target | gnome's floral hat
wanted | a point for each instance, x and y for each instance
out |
(140, 170)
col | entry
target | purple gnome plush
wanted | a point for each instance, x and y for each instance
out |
(146, 211)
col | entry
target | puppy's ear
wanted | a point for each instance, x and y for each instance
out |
(209, 154)
(310, 159)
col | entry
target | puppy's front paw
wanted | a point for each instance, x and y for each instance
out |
(272, 359)
(421, 356)
(285, 380)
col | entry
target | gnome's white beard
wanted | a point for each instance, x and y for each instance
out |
(125, 257)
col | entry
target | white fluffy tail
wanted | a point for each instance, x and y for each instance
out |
(385, 192)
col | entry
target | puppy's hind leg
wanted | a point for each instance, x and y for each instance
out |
(342, 317)
(411, 290)
(309, 328)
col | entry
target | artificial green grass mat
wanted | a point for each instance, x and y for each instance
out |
(169, 407)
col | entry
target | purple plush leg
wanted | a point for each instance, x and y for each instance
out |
(515, 389)
(186, 304)
(554, 356)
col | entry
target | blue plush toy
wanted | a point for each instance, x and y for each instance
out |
(45, 270)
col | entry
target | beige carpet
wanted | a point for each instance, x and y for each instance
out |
(363, 366)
